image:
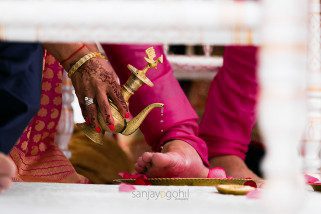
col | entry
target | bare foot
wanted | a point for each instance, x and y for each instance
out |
(7, 171)
(234, 167)
(177, 159)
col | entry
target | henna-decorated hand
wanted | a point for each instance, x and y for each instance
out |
(97, 79)
(94, 79)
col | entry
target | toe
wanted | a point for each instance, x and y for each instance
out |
(145, 160)
(147, 157)
(138, 168)
(140, 162)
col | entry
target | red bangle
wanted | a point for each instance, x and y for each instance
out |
(73, 54)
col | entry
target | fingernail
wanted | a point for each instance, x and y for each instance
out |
(111, 127)
(127, 115)
(98, 129)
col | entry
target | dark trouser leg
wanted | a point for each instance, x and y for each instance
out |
(20, 89)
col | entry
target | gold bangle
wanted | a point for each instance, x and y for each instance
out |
(82, 61)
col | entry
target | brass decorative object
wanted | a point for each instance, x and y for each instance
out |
(188, 181)
(234, 189)
(134, 82)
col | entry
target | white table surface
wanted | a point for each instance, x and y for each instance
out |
(49, 198)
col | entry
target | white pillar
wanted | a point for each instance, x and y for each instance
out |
(66, 122)
(282, 103)
(311, 146)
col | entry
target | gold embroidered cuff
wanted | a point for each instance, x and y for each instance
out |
(82, 61)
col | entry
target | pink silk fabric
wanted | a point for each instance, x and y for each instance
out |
(230, 110)
(231, 104)
(36, 155)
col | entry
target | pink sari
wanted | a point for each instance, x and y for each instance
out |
(36, 155)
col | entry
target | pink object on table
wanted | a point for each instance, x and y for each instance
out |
(216, 172)
(254, 194)
(126, 187)
(179, 118)
(230, 110)
(310, 179)
(127, 175)
(140, 179)
(250, 183)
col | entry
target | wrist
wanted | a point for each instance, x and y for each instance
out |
(67, 64)
(83, 60)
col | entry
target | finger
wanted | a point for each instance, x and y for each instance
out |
(105, 110)
(5, 183)
(92, 116)
(7, 166)
(140, 162)
(92, 112)
(119, 100)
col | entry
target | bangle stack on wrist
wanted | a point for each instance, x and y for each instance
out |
(83, 60)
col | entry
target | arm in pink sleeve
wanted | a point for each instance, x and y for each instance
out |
(230, 110)
(179, 118)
